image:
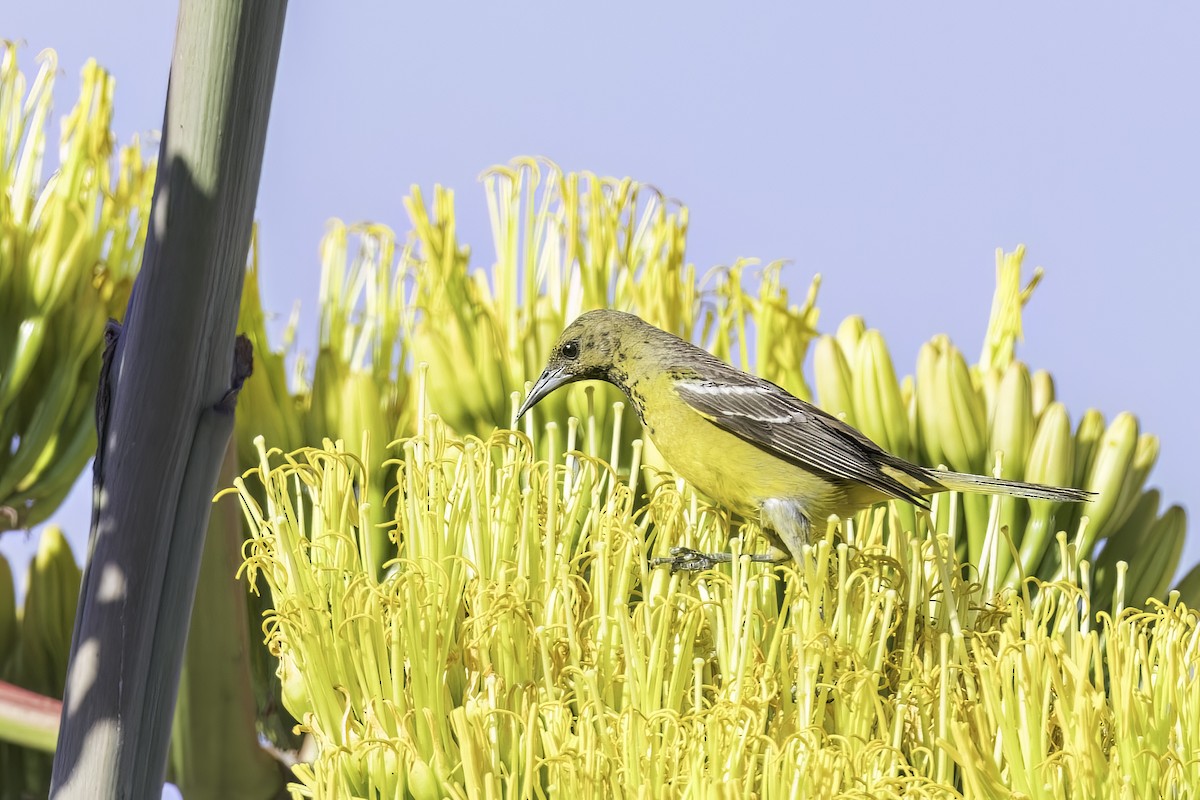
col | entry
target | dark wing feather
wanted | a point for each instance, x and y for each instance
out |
(785, 426)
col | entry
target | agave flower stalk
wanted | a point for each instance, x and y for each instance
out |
(519, 645)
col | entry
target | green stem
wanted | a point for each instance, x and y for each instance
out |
(171, 406)
(27, 718)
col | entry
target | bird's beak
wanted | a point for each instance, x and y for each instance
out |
(550, 380)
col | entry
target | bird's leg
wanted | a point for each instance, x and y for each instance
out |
(787, 526)
(783, 522)
(685, 558)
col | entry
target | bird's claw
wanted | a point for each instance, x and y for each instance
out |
(685, 558)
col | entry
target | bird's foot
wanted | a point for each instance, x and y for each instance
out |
(685, 558)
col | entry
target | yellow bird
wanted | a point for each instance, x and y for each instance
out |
(745, 442)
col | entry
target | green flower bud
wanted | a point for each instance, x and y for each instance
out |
(52, 593)
(1051, 461)
(961, 418)
(926, 406)
(850, 333)
(360, 411)
(1189, 588)
(960, 413)
(292, 686)
(878, 406)
(59, 391)
(1144, 457)
(1087, 437)
(1152, 568)
(1013, 421)
(833, 379)
(1124, 544)
(422, 782)
(1110, 468)
(325, 398)
(1012, 431)
(31, 334)
(272, 416)
(1043, 392)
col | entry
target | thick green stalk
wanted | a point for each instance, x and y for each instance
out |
(166, 413)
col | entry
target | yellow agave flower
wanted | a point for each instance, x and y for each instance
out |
(518, 645)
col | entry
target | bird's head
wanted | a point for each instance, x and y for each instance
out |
(592, 347)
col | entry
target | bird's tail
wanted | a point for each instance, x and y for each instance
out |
(980, 484)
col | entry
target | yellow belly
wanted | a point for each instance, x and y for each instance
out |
(733, 472)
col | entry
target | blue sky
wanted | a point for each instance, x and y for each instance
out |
(890, 147)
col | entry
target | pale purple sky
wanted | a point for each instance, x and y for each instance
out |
(889, 146)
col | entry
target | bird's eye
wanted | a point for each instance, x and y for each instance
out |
(570, 350)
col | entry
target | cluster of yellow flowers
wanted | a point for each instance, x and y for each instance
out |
(69, 248)
(519, 646)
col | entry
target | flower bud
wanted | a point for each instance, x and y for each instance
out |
(849, 333)
(1144, 457)
(1124, 544)
(1151, 570)
(878, 406)
(961, 417)
(1012, 422)
(1189, 588)
(926, 406)
(1050, 461)
(833, 379)
(1087, 437)
(1110, 467)
(1043, 392)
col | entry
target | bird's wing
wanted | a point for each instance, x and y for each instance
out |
(766, 416)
